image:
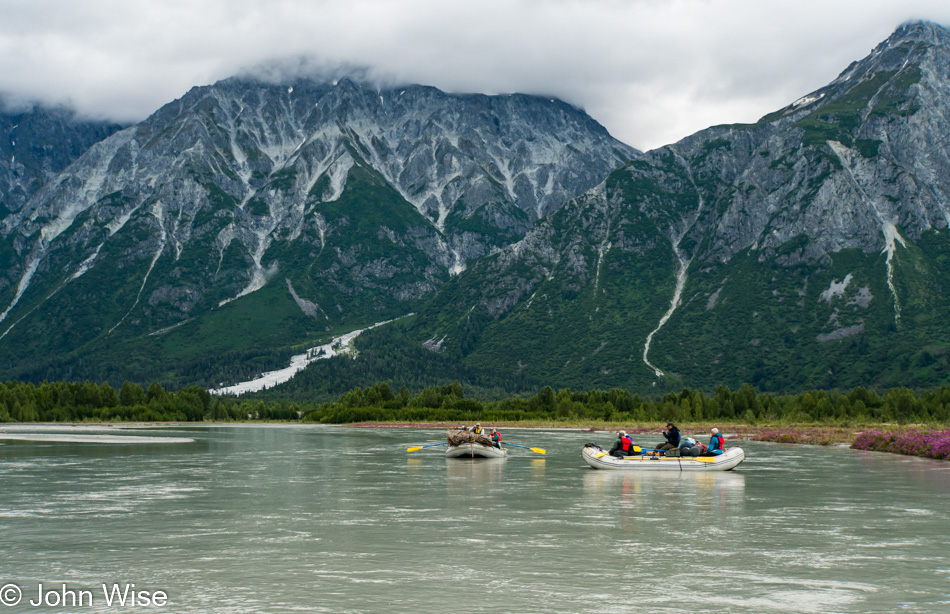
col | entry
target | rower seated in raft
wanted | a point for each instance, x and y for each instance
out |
(624, 446)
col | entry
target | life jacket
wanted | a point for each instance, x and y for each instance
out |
(477, 430)
(719, 441)
(626, 444)
(496, 437)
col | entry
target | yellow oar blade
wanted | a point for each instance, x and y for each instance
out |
(538, 450)
(600, 454)
(413, 449)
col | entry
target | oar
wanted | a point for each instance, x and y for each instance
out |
(429, 446)
(538, 450)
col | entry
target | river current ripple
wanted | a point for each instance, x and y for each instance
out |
(330, 519)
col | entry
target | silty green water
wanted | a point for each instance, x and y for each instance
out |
(325, 519)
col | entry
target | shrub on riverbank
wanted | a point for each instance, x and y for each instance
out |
(926, 443)
(816, 436)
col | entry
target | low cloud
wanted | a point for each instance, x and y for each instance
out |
(651, 71)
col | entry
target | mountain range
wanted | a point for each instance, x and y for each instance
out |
(807, 249)
(39, 143)
(249, 220)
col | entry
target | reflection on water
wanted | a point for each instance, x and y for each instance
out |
(538, 466)
(669, 494)
(319, 519)
(664, 483)
(463, 472)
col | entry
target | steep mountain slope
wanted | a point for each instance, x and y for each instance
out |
(37, 143)
(247, 218)
(808, 249)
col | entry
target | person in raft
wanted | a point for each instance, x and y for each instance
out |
(672, 435)
(623, 446)
(477, 429)
(496, 438)
(717, 444)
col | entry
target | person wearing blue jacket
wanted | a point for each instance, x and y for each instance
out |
(717, 444)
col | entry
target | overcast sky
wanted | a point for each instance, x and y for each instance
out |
(651, 71)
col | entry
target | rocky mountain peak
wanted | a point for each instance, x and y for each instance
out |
(814, 234)
(927, 32)
(36, 142)
(355, 200)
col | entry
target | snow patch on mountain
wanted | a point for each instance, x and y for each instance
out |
(807, 100)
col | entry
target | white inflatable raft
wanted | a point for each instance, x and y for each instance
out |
(475, 450)
(598, 458)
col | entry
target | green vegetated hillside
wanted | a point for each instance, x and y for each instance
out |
(807, 250)
(784, 327)
(576, 320)
(778, 327)
(811, 248)
(249, 219)
(355, 271)
(371, 265)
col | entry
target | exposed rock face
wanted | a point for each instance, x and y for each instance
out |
(806, 250)
(736, 230)
(846, 166)
(36, 144)
(364, 200)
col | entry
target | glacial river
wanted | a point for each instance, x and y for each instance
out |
(324, 519)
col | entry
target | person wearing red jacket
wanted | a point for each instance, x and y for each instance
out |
(623, 446)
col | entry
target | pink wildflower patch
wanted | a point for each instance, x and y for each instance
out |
(929, 444)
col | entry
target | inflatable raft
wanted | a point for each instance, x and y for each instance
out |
(466, 444)
(475, 450)
(598, 458)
